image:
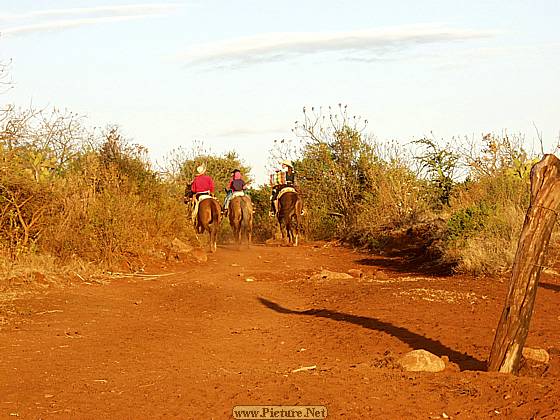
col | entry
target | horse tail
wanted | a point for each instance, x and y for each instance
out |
(245, 214)
(247, 218)
(298, 211)
(216, 213)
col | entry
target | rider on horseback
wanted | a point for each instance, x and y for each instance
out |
(285, 177)
(236, 184)
(202, 185)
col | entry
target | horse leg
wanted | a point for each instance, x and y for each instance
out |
(213, 237)
(237, 235)
(235, 223)
(212, 230)
(249, 234)
(295, 231)
(283, 231)
(290, 232)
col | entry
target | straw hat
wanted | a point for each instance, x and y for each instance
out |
(287, 163)
(201, 169)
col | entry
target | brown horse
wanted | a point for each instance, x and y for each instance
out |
(290, 207)
(208, 217)
(240, 214)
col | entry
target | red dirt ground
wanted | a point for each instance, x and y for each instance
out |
(197, 342)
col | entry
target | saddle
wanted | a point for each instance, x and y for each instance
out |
(238, 194)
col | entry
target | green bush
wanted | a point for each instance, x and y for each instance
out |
(264, 226)
(466, 222)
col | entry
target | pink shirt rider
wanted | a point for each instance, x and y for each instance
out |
(232, 185)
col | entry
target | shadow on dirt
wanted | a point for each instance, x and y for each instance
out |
(416, 250)
(550, 286)
(414, 340)
(407, 263)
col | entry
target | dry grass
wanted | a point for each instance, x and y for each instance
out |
(441, 296)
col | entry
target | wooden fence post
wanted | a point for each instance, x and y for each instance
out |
(541, 216)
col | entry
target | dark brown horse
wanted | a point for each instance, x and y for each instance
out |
(208, 217)
(240, 214)
(290, 207)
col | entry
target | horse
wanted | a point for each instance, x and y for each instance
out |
(208, 217)
(240, 214)
(290, 207)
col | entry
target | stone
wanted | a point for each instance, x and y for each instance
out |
(421, 361)
(536, 355)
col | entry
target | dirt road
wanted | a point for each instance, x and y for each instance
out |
(196, 342)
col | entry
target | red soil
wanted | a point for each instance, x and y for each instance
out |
(197, 342)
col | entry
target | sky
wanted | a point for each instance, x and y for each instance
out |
(235, 75)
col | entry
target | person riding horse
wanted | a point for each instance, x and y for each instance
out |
(236, 184)
(206, 212)
(286, 203)
(202, 185)
(285, 177)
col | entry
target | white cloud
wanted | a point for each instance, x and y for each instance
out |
(54, 19)
(365, 44)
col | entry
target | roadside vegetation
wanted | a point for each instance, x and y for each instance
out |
(458, 205)
(76, 197)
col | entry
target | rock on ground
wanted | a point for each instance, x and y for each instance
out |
(536, 355)
(421, 361)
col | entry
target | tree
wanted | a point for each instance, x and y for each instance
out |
(335, 161)
(541, 217)
(440, 164)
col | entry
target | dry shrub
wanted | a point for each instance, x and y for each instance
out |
(26, 199)
(377, 196)
(482, 255)
(39, 271)
(485, 219)
(113, 205)
(356, 189)
(69, 195)
(396, 198)
(490, 246)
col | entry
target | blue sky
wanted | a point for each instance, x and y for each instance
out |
(236, 74)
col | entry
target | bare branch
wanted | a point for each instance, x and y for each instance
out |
(539, 136)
